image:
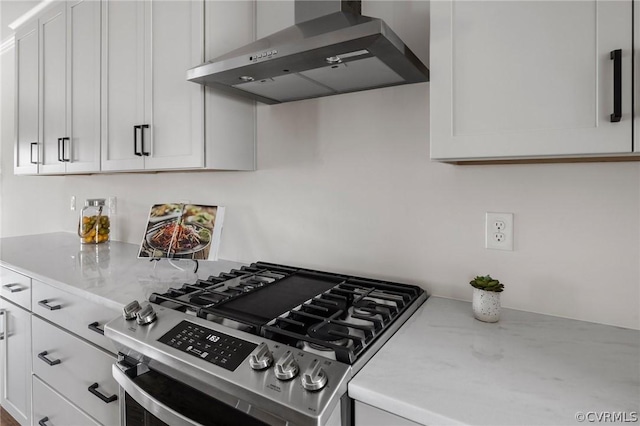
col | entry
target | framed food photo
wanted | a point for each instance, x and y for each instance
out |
(182, 231)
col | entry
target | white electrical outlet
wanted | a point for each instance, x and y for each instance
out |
(499, 231)
(72, 203)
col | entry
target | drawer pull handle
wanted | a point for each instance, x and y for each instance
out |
(106, 399)
(44, 304)
(94, 327)
(13, 287)
(43, 356)
(42, 421)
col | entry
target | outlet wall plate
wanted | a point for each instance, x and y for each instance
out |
(499, 231)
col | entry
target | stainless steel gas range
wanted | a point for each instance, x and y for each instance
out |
(263, 344)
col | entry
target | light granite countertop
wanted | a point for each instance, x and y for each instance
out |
(442, 368)
(445, 368)
(108, 273)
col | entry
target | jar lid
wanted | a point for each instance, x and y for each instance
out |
(94, 202)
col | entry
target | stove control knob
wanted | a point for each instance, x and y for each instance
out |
(314, 378)
(286, 367)
(261, 357)
(146, 315)
(129, 312)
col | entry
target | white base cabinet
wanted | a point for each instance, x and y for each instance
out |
(15, 353)
(366, 415)
(51, 408)
(530, 79)
(72, 366)
(55, 362)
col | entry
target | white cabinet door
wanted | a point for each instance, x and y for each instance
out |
(51, 408)
(123, 24)
(153, 117)
(83, 90)
(174, 107)
(72, 366)
(15, 350)
(53, 74)
(528, 78)
(27, 98)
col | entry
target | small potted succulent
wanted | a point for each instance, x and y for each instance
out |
(486, 298)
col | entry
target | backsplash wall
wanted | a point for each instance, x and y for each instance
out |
(345, 184)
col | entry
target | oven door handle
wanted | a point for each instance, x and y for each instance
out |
(155, 407)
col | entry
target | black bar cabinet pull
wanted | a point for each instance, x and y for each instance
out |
(43, 356)
(94, 327)
(44, 304)
(60, 150)
(142, 127)
(31, 153)
(42, 421)
(106, 399)
(616, 57)
(135, 141)
(64, 156)
(13, 287)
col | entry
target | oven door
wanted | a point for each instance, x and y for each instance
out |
(154, 399)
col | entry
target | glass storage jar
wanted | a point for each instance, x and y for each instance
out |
(94, 224)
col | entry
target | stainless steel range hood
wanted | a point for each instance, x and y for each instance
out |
(331, 49)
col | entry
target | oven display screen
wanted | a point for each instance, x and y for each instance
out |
(212, 346)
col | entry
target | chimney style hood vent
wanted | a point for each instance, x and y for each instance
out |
(331, 49)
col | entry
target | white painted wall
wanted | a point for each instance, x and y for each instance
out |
(345, 184)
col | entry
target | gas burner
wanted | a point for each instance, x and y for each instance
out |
(323, 331)
(365, 307)
(328, 305)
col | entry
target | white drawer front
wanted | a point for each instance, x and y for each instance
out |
(15, 287)
(77, 366)
(51, 409)
(72, 313)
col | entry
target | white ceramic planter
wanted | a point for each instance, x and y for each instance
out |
(486, 305)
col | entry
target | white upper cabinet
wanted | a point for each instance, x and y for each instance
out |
(153, 118)
(102, 86)
(53, 75)
(174, 108)
(27, 98)
(58, 90)
(123, 84)
(530, 79)
(82, 150)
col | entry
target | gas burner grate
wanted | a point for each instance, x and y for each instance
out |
(355, 310)
(297, 307)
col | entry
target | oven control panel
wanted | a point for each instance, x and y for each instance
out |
(217, 348)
